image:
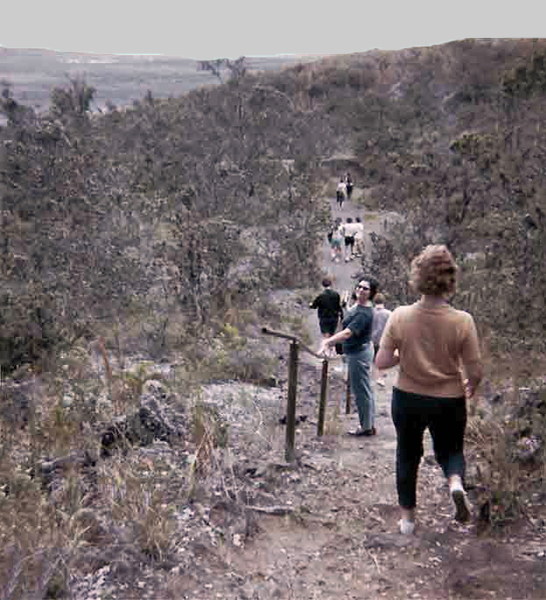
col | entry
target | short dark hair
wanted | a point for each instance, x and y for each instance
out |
(379, 298)
(374, 285)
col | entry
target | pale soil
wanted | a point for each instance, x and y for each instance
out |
(333, 534)
(343, 541)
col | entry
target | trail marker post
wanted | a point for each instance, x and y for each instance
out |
(348, 395)
(295, 346)
(322, 403)
(289, 453)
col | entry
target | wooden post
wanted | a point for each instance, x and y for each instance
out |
(322, 405)
(348, 397)
(289, 453)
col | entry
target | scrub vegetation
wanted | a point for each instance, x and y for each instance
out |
(143, 248)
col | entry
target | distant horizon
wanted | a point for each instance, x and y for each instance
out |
(250, 56)
(280, 55)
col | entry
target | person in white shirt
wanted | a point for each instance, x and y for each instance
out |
(341, 192)
(349, 232)
(359, 237)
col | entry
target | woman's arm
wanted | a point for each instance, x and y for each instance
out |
(385, 358)
(471, 359)
(337, 338)
(474, 374)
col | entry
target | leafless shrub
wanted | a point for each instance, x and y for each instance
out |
(509, 445)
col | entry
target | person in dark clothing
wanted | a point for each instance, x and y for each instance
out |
(349, 185)
(358, 348)
(328, 304)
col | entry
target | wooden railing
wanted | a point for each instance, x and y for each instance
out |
(295, 345)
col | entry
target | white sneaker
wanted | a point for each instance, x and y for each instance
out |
(406, 527)
(462, 506)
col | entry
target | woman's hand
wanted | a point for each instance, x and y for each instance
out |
(469, 389)
(385, 359)
(323, 350)
(330, 342)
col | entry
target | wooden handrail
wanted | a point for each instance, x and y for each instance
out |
(293, 338)
(295, 344)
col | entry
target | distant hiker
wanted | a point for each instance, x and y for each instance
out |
(359, 237)
(430, 340)
(341, 192)
(348, 185)
(380, 317)
(358, 350)
(348, 300)
(330, 233)
(349, 232)
(328, 304)
(334, 225)
(336, 239)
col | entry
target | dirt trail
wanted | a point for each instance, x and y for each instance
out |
(342, 540)
(343, 278)
(325, 526)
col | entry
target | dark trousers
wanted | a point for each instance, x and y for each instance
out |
(446, 421)
(328, 325)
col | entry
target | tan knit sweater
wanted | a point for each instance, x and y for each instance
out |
(435, 345)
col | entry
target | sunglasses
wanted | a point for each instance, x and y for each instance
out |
(362, 287)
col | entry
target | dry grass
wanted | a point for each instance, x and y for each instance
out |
(333, 424)
(134, 499)
(37, 540)
(44, 523)
(506, 480)
(500, 474)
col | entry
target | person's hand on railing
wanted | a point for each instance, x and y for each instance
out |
(324, 349)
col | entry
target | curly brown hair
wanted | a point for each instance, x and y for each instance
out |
(433, 271)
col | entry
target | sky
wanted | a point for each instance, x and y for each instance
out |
(206, 29)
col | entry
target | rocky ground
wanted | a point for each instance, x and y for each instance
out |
(237, 522)
(323, 527)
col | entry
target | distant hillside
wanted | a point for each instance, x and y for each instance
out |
(452, 136)
(118, 79)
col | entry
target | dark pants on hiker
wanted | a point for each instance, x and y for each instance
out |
(328, 325)
(446, 421)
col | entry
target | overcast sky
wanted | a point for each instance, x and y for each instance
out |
(204, 29)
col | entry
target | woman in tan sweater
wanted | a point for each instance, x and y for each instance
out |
(432, 343)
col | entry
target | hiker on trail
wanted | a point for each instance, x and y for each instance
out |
(341, 192)
(380, 317)
(430, 340)
(349, 231)
(358, 350)
(359, 237)
(335, 237)
(348, 185)
(328, 303)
